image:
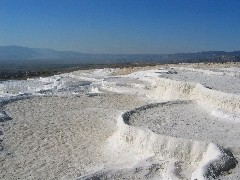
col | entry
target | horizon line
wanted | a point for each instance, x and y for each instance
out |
(46, 48)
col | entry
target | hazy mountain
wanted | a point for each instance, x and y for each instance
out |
(49, 55)
(19, 52)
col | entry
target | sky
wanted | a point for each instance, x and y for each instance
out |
(122, 26)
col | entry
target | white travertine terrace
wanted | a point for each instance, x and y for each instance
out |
(179, 122)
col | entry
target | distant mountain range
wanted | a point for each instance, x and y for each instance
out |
(18, 53)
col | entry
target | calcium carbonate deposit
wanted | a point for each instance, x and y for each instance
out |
(165, 122)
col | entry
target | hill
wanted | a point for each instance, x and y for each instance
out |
(14, 53)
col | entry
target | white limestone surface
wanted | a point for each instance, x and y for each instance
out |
(162, 122)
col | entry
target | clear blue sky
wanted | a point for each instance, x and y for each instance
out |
(122, 26)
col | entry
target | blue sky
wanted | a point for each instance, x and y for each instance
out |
(122, 26)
